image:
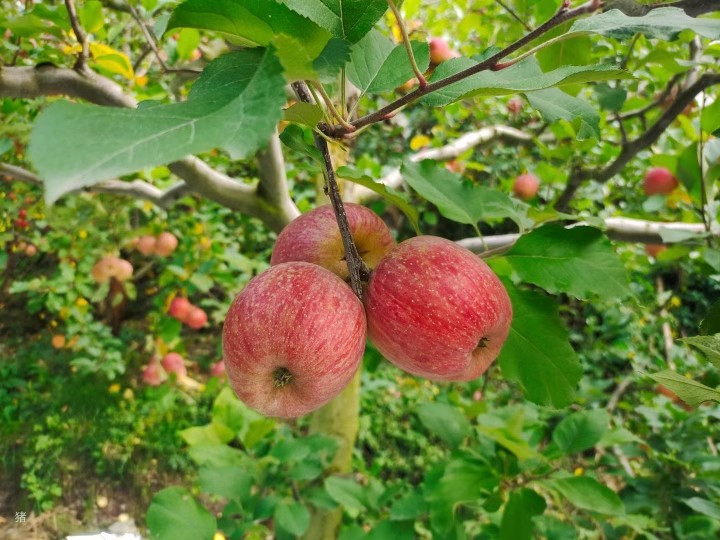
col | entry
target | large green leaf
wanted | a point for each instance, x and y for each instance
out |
(554, 104)
(458, 200)
(578, 261)
(588, 494)
(175, 515)
(711, 323)
(708, 345)
(229, 482)
(581, 430)
(347, 492)
(235, 105)
(376, 65)
(662, 23)
(691, 392)
(347, 19)
(516, 521)
(521, 77)
(292, 517)
(537, 353)
(445, 421)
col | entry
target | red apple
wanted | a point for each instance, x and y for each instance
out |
(526, 186)
(196, 319)
(180, 308)
(146, 245)
(165, 244)
(22, 213)
(659, 181)
(174, 363)
(515, 105)
(153, 374)
(293, 339)
(436, 310)
(218, 369)
(440, 51)
(315, 237)
(654, 249)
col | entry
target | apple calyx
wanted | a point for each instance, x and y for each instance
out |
(282, 376)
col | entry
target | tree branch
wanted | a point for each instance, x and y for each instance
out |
(273, 185)
(79, 34)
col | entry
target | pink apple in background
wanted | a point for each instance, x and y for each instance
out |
(315, 237)
(654, 249)
(440, 51)
(31, 250)
(153, 374)
(437, 310)
(526, 186)
(293, 339)
(196, 319)
(218, 369)
(165, 244)
(515, 105)
(659, 181)
(174, 363)
(123, 269)
(146, 245)
(180, 308)
(110, 266)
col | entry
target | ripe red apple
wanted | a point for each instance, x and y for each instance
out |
(146, 245)
(165, 244)
(174, 363)
(196, 319)
(654, 249)
(436, 310)
(218, 369)
(22, 213)
(315, 237)
(515, 105)
(293, 339)
(180, 308)
(440, 51)
(526, 186)
(153, 374)
(659, 181)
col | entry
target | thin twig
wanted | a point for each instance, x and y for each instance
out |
(356, 266)
(406, 42)
(514, 15)
(701, 160)
(626, 58)
(328, 101)
(79, 34)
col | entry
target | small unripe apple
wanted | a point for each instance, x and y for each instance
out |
(146, 245)
(515, 105)
(440, 51)
(31, 250)
(654, 249)
(196, 319)
(659, 181)
(165, 244)
(408, 85)
(314, 237)
(180, 308)
(437, 310)
(293, 339)
(153, 373)
(526, 186)
(174, 363)
(218, 369)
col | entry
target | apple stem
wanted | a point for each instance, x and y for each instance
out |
(408, 47)
(356, 266)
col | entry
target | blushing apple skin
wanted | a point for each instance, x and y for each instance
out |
(180, 308)
(654, 249)
(196, 319)
(526, 186)
(300, 317)
(440, 51)
(174, 363)
(314, 237)
(436, 310)
(659, 181)
(165, 244)
(146, 245)
(153, 374)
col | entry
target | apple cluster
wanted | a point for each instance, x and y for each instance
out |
(162, 245)
(156, 372)
(184, 311)
(295, 335)
(109, 267)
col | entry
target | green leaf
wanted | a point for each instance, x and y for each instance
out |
(703, 506)
(516, 522)
(175, 515)
(230, 482)
(376, 65)
(554, 104)
(610, 99)
(662, 23)
(391, 195)
(537, 353)
(308, 114)
(187, 42)
(688, 171)
(216, 455)
(239, 93)
(458, 200)
(213, 433)
(445, 421)
(520, 77)
(710, 118)
(711, 323)
(346, 492)
(588, 494)
(347, 19)
(384, 530)
(292, 517)
(409, 507)
(691, 392)
(91, 16)
(708, 345)
(578, 261)
(294, 137)
(230, 411)
(581, 430)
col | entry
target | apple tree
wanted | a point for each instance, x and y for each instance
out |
(357, 102)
